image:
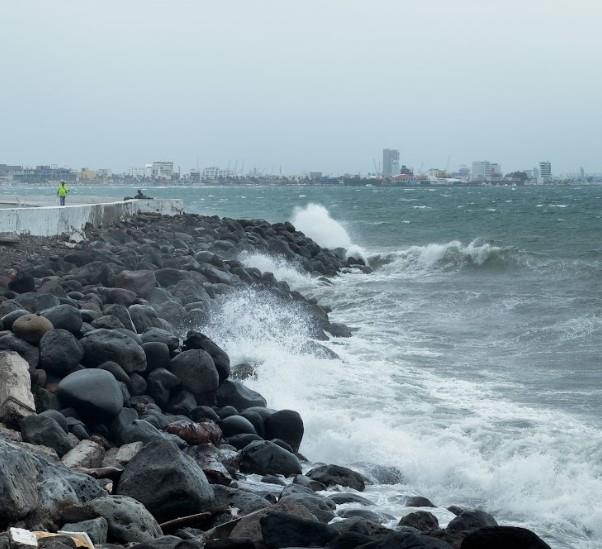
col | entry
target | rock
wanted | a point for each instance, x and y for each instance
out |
(339, 330)
(122, 455)
(21, 283)
(7, 321)
(117, 296)
(332, 475)
(321, 507)
(360, 513)
(168, 483)
(245, 502)
(144, 317)
(58, 417)
(503, 537)
(127, 428)
(64, 317)
(237, 425)
(265, 458)
(31, 354)
(139, 282)
(46, 431)
(92, 392)
(286, 425)
(209, 458)
(96, 528)
(282, 530)
(196, 433)
(16, 399)
(197, 372)
(121, 313)
(365, 527)
(18, 494)
(182, 402)
(158, 335)
(128, 520)
(157, 355)
(418, 501)
(36, 301)
(87, 454)
(160, 382)
(234, 393)
(421, 520)
(117, 371)
(110, 345)
(240, 441)
(349, 497)
(108, 322)
(60, 352)
(406, 540)
(197, 340)
(470, 520)
(31, 328)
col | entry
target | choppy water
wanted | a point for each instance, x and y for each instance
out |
(475, 368)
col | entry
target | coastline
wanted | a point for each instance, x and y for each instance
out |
(129, 293)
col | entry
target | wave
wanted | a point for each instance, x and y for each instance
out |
(282, 269)
(315, 221)
(453, 256)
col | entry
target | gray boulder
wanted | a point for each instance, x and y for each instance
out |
(60, 352)
(332, 475)
(64, 317)
(197, 372)
(139, 282)
(37, 429)
(266, 458)
(234, 393)
(97, 529)
(92, 392)
(110, 345)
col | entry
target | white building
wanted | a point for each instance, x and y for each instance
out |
(390, 163)
(545, 171)
(162, 170)
(483, 170)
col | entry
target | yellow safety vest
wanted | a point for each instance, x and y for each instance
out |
(62, 191)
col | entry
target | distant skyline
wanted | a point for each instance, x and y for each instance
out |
(306, 86)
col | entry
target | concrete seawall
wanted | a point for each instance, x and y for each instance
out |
(57, 220)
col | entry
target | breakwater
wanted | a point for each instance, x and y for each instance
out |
(144, 429)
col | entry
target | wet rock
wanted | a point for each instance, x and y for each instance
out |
(418, 501)
(36, 302)
(178, 486)
(21, 283)
(197, 340)
(246, 502)
(349, 497)
(360, 513)
(401, 540)
(160, 383)
(234, 393)
(110, 345)
(46, 431)
(196, 433)
(237, 425)
(7, 321)
(31, 328)
(209, 458)
(321, 507)
(31, 354)
(97, 529)
(18, 494)
(16, 399)
(144, 317)
(181, 402)
(64, 317)
(503, 537)
(157, 355)
(470, 520)
(241, 441)
(60, 352)
(117, 371)
(92, 392)
(197, 372)
(332, 475)
(140, 282)
(159, 335)
(286, 425)
(421, 520)
(283, 530)
(264, 458)
(87, 454)
(128, 520)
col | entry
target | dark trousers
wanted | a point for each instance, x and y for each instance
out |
(62, 200)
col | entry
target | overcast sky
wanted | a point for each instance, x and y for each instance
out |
(304, 84)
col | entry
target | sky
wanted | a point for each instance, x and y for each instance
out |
(301, 85)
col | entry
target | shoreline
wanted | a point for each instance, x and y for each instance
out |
(122, 302)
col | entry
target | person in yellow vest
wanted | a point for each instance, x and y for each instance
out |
(62, 193)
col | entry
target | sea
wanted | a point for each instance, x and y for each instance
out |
(473, 376)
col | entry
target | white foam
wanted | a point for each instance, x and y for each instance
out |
(280, 267)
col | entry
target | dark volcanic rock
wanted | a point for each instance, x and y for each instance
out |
(157, 355)
(331, 475)
(197, 340)
(234, 393)
(110, 345)
(421, 520)
(64, 317)
(265, 458)
(92, 392)
(321, 507)
(46, 431)
(197, 372)
(470, 520)
(97, 529)
(31, 354)
(285, 425)
(139, 282)
(144, 317)
(418, 501)
(503, 537)
(283, 530)
(60, 352)
(167, 482)
(401, 540)
(237, 425)
(21, 283)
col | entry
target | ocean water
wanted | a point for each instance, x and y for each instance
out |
(475, 366)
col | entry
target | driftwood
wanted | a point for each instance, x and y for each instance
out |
(198, 520)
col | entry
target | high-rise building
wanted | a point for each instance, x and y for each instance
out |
(483, 170)
(545, 171)
(162, 170)
(390, 163)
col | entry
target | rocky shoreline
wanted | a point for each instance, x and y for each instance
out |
(122, 420)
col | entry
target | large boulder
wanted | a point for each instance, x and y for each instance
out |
(16, 399)
(197, 340)
(421, 520)
(97, 529)
(60, 352)
(168, 483)
(266, 458)
(470, 520)
(503, 537)
(18, 482)
(128, 520)
(197, 372)
(110, 345)
(31, 328)
(144, 317)
(64, 317)
(234, 393)
(408, 540)
(46, 431)
(283, 530)
(285, 425)
(321, 507)
(94, 393)
(333, 475)
(139, 282)
(10, 342)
